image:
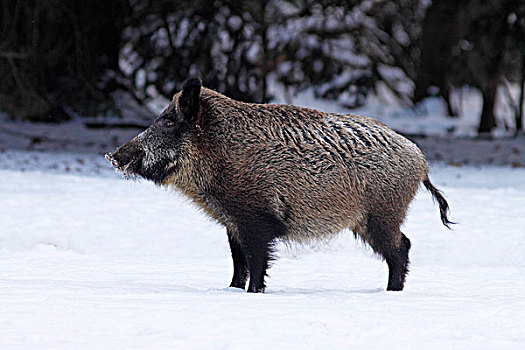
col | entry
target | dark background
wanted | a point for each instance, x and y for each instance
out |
(62, 58)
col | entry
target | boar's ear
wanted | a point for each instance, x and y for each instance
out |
(189, 100)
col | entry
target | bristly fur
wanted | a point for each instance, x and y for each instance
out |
(443, 205)
(279, 172)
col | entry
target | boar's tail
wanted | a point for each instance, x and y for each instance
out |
(443, 205)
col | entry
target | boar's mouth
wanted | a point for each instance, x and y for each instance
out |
(129, 168)
(134, 164)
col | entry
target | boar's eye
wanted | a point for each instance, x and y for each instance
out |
(168, 123)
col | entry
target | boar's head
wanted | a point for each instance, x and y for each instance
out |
(155, 153)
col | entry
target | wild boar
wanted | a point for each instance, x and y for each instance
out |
(280, 172)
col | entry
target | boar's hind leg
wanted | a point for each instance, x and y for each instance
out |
(240, 268)
(257, 233)
(386, 239)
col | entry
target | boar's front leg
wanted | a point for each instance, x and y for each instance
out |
(257, 233)
(240, 268)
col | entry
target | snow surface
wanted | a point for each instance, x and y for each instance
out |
(91, 261)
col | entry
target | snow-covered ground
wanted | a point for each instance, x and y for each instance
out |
(91, 261)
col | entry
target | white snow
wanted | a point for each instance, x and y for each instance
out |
(91, 261)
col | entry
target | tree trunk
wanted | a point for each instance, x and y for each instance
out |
(519, 118)
(487, 121)
(445, 94)
(264, 46)
(438, 37)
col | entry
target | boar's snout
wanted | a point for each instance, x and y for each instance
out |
(127, 158)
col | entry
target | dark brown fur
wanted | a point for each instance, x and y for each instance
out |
(297, 174)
